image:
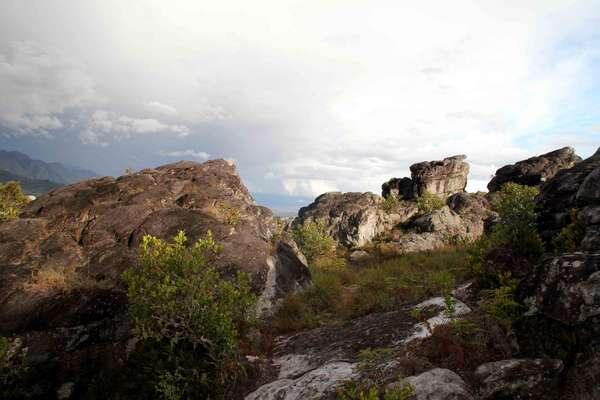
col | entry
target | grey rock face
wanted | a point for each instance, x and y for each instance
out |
(441, 228)
(438, 384)
(354, 219)
(576, 187)
(567, 288)
(518, 378)
(314, 363)
(442, 178)
(535, 170)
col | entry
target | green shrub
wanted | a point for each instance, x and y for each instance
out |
(570, 237)
(313, 239)
(429, 202)
(403, 391)
(352, 390)
(516, 229)
(186, 311)
(389, 204)
(12, 200)
(500, 303)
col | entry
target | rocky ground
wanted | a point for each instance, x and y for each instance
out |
(76, 327)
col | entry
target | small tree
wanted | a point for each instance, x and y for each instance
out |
(180, 304)
(429, 202)
(516, 229)
(313, 239)
(12, 200)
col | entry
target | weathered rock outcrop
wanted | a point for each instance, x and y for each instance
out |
(438, 384)
(354, 219)
(92, 230)
(576, 187)
(442, 178)
(463, 220)
(519, 378)
(567, 288)
(535, 170)
(313, 364)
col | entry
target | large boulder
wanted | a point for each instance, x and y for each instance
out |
(566, 288)
(464, 220)
(442, 178)
(519, 378)
(535, 170)
(573, 188)
(313, 364)
(437, 384)
(61, 262)
(354, 219)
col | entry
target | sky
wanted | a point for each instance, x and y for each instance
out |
(305, 96)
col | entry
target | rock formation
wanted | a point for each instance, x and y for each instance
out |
(354, 219)
(573, 188)
(442, 178)
(89, 233)
(535, 170)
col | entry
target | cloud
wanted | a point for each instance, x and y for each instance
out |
(199, 155)
(38, 85)
(312, 97)
(160, 108)
(104, 127)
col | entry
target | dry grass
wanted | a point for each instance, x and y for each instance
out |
(59, 280)
(340, 292)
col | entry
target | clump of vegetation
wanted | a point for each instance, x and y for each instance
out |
(231, 214)
(390, 203)
(340, 292)
(313, 239)
(352, 390)
(517, 229)
(368, 357)
(429, 202)
(59, 280)
(500, 303)
(12, 365)
(570, 237)
(12, 200)
(189, 315)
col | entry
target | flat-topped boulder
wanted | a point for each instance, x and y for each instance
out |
(535, 170)
(442, 178)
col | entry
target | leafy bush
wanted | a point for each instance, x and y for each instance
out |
(12, 200)
(500, 304)
(389, 204)
(516, 230)
(354, 391)
(180, 304)
(429, 202)
(313, 239)
(570, 237)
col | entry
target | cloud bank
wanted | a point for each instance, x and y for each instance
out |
(306, 96)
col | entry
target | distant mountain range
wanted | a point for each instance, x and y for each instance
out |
(38, 177)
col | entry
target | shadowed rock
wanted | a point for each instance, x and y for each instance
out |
(535, 170)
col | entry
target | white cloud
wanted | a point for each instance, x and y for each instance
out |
(37, 86)
(323, 95)
(160, 108)
(105, 126)
(199, 155)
